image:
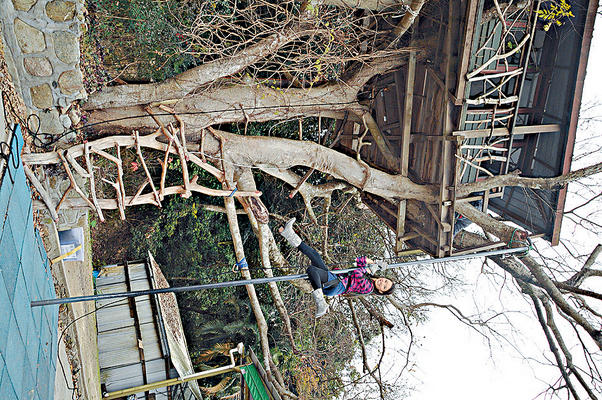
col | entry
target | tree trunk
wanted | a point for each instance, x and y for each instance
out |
(182, 84)
(235, 103)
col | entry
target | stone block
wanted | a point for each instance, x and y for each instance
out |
(37, 66)
(74, 116)
(41, 96)
(49, 122)
(65, 120)
(66, 47)
(71, 81)
(60, 10)
(23, 5)
(29, 39)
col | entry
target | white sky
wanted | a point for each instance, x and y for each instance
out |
(454, 362)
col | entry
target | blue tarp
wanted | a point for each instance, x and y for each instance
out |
(28, 337)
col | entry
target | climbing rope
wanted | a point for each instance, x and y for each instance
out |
(11, 157)
(528, 244)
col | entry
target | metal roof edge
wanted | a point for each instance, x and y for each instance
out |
(575, 108)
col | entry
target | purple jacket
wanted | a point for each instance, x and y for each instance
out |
(355, 282)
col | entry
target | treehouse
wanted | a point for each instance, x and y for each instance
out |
(497, 90)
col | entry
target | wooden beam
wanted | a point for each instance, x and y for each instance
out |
(473, 198)
(407, 115)
(401, 221)
(485, 201)
(531, 129)
(409, 236)
(381, 141)
(518, 130)
(404, 158)
(448, 163)
(443, 225)
(471, 12)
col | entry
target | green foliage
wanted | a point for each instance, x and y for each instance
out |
(189, 243)
(554, 13)
(143, 32)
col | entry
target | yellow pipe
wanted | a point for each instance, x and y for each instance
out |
(174, 381)
(63, 256)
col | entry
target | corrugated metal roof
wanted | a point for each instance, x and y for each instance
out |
(120, 351)
(161, 334)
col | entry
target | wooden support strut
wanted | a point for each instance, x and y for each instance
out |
(120, 174)
(72, 185)
(182, 154)
(42, 192)
(138, 192)
(111, 204)
(90, 168)
(146, 171)
(164, 171)
(120, 202)
(201, 162)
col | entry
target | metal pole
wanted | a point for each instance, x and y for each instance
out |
(243, 282)
(118, 394)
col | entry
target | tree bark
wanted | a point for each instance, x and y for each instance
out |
(513, 179)
(235, 103)
(285, 153)
(374, 5)
(182, 84)
(264, 235)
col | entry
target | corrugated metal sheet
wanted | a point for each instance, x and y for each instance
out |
(131, 375)
(115, 274)
(114, 318)
(119, 354)
(118, 345)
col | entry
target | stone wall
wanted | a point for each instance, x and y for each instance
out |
(41, 39)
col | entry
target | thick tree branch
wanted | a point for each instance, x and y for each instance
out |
(382, 320)
(526, 270)
(184, 83)
(263, 232)
(586, 271)
(551, 343)
(408, 19)
(252, 102)
(551, 183)
(259, 317)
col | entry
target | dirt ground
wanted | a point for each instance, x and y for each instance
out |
(14, 108)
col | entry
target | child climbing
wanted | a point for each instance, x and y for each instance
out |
(325, 283)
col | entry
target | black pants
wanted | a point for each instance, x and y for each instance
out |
(317, 271)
